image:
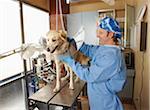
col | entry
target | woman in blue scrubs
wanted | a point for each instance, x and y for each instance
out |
(106, 74)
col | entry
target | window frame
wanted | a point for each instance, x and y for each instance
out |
(13, 51)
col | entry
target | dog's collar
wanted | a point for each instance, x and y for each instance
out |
(72, 41)
(68, 50)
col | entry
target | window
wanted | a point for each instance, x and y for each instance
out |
(36, 24)
(10, 30)
(10, 38)
(10, 66)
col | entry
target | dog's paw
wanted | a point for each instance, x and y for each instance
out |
(56, 90)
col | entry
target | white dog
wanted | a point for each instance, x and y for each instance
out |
(57, 44)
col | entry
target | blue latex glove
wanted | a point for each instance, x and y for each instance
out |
(67, 59)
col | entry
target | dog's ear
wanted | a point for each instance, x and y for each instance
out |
(63, 34)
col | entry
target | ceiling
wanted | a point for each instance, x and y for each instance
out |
(110, 2)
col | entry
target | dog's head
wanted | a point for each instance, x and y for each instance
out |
(57, 42)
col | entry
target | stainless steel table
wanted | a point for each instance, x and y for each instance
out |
(65, 97)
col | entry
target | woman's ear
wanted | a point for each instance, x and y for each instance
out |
(111, 34)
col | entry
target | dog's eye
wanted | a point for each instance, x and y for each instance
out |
(53, 40)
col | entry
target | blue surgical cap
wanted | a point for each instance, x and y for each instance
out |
(110, 25)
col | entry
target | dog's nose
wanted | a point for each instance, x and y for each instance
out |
(48, 49)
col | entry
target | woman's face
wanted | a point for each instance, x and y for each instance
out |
(102, 35)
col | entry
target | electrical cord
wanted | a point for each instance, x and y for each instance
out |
(142, 75)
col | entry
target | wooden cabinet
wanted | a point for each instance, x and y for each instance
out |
(127, 92)
(126, 19)
(118, 14)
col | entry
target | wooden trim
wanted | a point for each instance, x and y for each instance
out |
(120, 9)
(32, 5)
(52, 13)
(52, 7)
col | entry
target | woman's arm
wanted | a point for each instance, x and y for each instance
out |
(102, 69)
(88, 50)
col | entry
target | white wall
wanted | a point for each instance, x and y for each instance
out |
(142, 65)
(88, 21)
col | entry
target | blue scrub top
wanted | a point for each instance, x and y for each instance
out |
(105, 76)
